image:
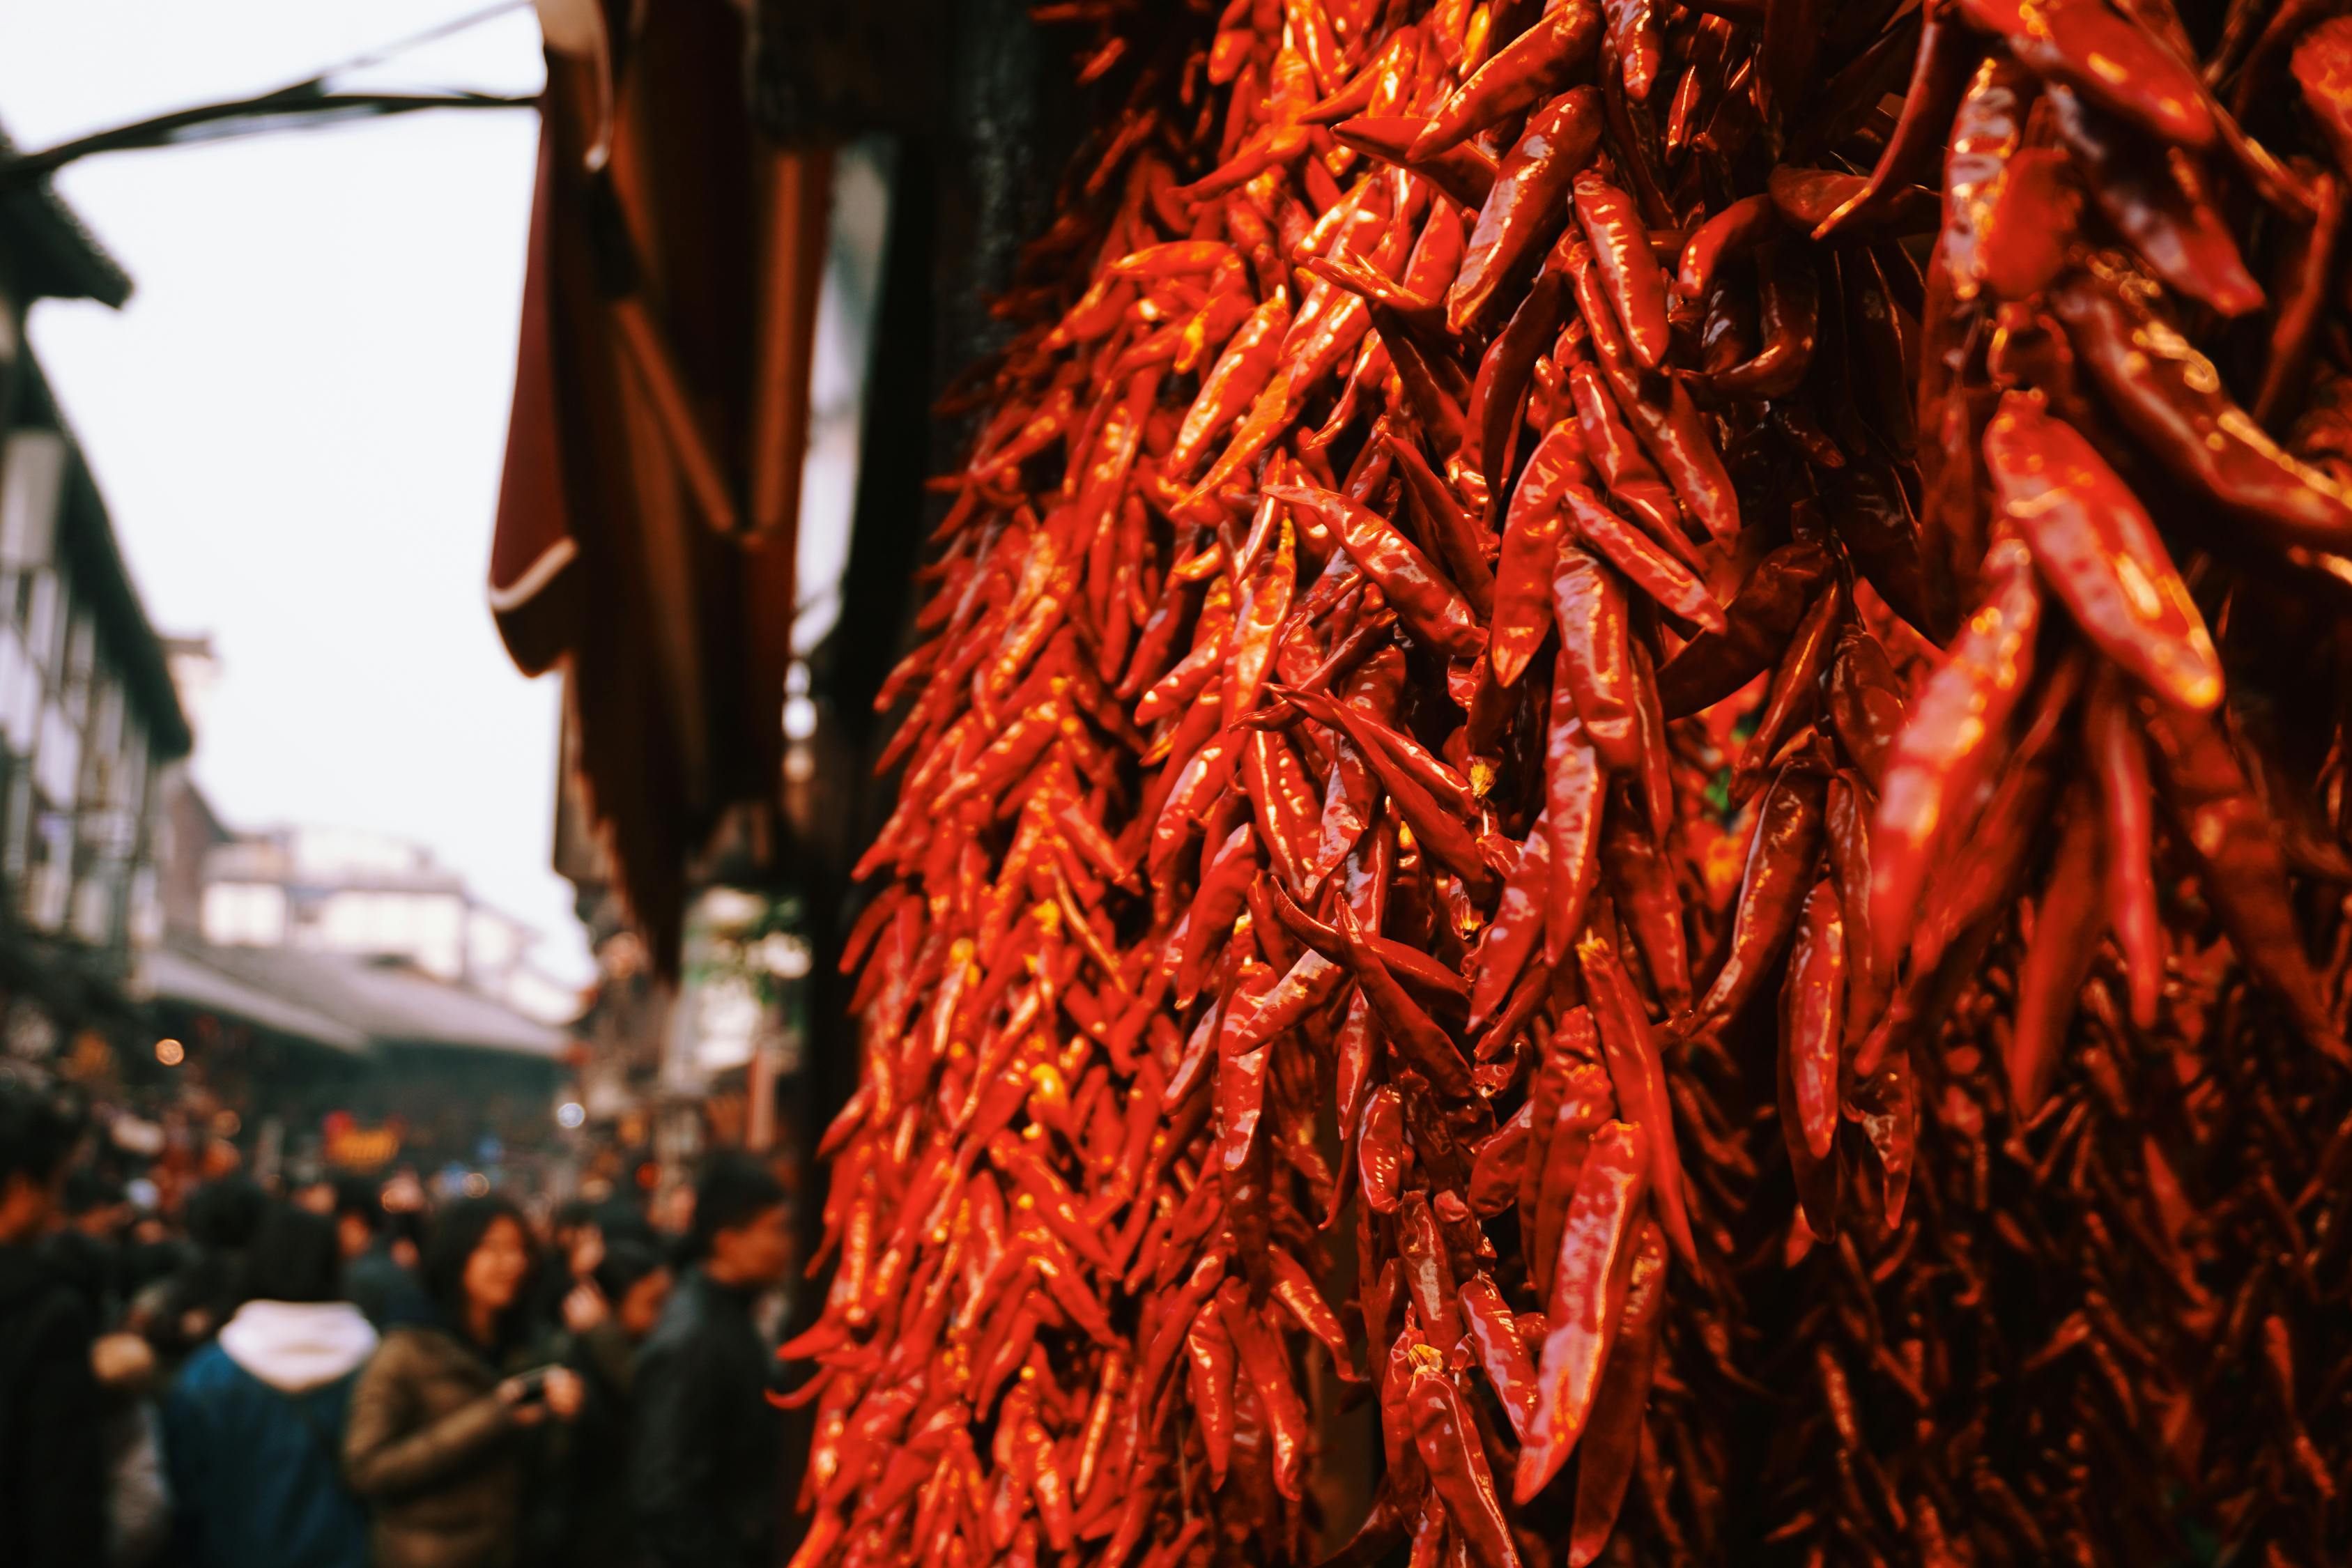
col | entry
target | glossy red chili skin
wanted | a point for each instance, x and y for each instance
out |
(1780, 857)
(1524, 210)
(1620, 252)
(1946, 747)
(1531, 534)
(2099, 551)
(1532, 68)
(1428, 603)
(2171, 398)
(2244, 872)
(2175, 230)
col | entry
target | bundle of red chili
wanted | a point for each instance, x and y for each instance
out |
(1595, 782)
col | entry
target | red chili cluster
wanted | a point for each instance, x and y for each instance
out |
(1597, 782)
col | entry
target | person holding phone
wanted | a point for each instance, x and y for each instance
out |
(437, 1436)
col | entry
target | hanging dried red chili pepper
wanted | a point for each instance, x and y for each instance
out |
(1431, 726)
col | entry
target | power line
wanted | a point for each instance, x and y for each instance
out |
(300, 106)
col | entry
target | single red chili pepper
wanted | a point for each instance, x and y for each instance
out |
(2067, 924)
(1612, 1434)
(1575, 794)
(1977, 877)
(1757, 624)
(1620, 254)
(1283, 800)
(1735, 232)
(1655, 779)
(1511, 937)
(1498, 394)
(1532, 68)
(1209, 1360)
(1428, 1271)
(2309, 275)
(1295, 1288)
(1583, 1100)
(1633, 41)
(2100, 553)
(1500, 1164)
(2244, 872)
(2175, 230)
(1794, 691)
(2090, 48)
(2032, 224)
(1642, 880)
(1446, 1433)
(1589, 606)
(1465, 174)
(2119, 760)
(1948, 745)
(1417, 312)
(1264, 602)
(1791, 323)
(1459, 538)
(1807, 198)
(1522, 212)
(1782, 855)
(1379, 1153)
(2171, 398)
(1428, 603)
(1267, 1368)
(1940, 75)
(1812, 1025)
(1596, 1257)
(1629, 1048)
(1646, 566)
(1435, 390)
(1864, 702)
(1500, 1351)
(1986, 133)
(1531, 534)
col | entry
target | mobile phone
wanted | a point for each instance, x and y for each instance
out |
(534, 1383)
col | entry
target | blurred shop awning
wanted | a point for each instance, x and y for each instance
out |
(347, 1004)
(647, 517)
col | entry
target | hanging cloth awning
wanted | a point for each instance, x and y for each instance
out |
(646, 517)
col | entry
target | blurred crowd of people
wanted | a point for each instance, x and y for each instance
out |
(300, 1379)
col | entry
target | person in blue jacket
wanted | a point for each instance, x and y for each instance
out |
(253, 1428)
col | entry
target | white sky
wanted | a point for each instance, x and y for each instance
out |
(298, 419)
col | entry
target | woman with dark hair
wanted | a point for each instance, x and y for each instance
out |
(436, 1438)
(252, 1429)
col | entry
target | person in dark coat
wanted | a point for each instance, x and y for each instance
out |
(437, 1440)
(376, 1283)
(223, 1216)
(53, 1497)
(583, 1519)
(253, 1428)
(703, 1464)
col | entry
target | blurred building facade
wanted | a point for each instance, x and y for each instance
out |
(91, 729)
(355, 1000)
(370, 895)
